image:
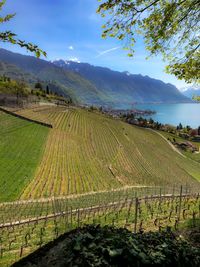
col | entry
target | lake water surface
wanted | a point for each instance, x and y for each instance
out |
(187, 114)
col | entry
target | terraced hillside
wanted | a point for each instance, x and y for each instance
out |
(86, 151)
(21, 147)
(83, 153)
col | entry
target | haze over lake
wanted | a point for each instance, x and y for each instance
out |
(187, 114)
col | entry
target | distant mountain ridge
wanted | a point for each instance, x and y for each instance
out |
(125, 87)
(68, 82)
(192, 91)
(88, 84)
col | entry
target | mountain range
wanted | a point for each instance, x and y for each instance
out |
(125, 87)
(87, 84)
(192, 91)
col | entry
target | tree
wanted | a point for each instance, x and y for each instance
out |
(70, 101)
(199, 130)
(13, 87)
(169, 27)
(47, 90)
(188, 128)
(179, 127)
(10, 37)
(151, 121)
(38, 86)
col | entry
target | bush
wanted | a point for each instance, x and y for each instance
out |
(108, 246)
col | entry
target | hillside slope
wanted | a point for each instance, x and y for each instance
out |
(21, 148)
(88, 84)
(14, 72)
(69, 83)
(126, 88)
(86, 152)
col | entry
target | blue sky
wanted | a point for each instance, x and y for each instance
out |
(71, 29)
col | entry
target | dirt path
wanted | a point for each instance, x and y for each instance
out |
(171, 145)
(40, 200)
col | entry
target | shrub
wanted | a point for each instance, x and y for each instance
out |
(108, 246)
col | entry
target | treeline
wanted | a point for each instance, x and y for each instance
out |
(186, 132)
(18, 88)
(40, 89)
(131, 118)
(49, 91)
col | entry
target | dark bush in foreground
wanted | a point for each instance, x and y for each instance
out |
(108, 246)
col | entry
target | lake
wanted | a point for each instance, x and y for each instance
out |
(187, 114)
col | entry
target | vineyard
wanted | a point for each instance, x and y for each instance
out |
(19, 238)
(88, 152)
(87, 168)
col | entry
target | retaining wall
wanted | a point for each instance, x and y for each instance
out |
(24, 118)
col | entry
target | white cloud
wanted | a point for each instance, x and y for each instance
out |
(74, 59)
(70, 47)
(107, 51)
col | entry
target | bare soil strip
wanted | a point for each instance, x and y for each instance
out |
(41, 200)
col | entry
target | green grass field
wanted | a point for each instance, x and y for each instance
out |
(21, 148)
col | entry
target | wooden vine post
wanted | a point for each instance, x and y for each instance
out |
(180, 202)
(71, 217)
(78, 217)
(136, 214)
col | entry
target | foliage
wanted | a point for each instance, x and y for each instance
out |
(197, 98)
(50, 95)
(8, 86)
(10, 37)
(168, 27)
(109, 246)
(47, 90)
(20, 89)
(35, 223)
(38, 86)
